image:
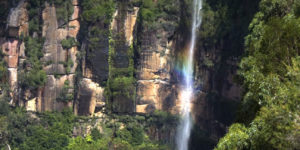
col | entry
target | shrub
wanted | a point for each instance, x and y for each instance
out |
(3, 70)
(97, 10)
(64, 9)
(68, 43)
(95, 133)
(34, 75)
(34, 78)
(66, 95)
(137, 135)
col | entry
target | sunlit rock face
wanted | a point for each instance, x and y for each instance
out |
(122, 33)
(12, 47)
(155, 66)
(11, 50)
(95, 66)
(52, 90)
(156, 82)
(90, 97)
(53, 51)
(13, 83)
(130, 23)
(54, 55)
(30, 105)
(17, 20)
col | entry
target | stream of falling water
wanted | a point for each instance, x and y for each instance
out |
(186, 94)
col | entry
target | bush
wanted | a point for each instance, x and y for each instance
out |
(95, 133)
(66, 95)
(68, 65)
(4, 108)
(137, 135)
(34, 75)
(269, 111)
(68, 43)
(64, 9)
(3, 68)
(163, 117)
(124, 134)
(97, 10)
(34, 78)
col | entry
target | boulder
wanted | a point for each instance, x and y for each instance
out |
(90, 94)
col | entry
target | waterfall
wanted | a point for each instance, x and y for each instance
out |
(186, 94)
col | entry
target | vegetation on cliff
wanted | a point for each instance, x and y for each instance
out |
(269, 113)
(33, 76)
(94, 35)
(268, 117)
(20, 129)
(66, 95)
(52, 130)
(64, 10)
(3, 68)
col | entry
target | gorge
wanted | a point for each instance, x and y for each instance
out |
(149, 74)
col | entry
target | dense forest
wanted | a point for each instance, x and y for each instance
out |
(268, 117)
(113, 84)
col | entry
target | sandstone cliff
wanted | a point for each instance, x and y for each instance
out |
(124, 62)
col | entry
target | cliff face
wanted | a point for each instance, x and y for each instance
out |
(54, 53)
(153, 60)
(155, 65)
(123, 62)
(220, 48)
(54, 56)
(12, 47)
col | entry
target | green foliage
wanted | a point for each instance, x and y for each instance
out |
(278, 43)
(66, 95)
(98, 10)
(68, 43)
(95, 133)
(35, 8)
(237, 134)
(121, 81)
(21, 131)
(122, 86)
(34, 75)
(124, 134)
(152, 11)
(268, 118)
(148, 15)
(68, 64)
(53, 130)
(3, 68)
(134, 134)
(137, 135)
(297, 8)
(64, 9)
(94, 32)
(121, 133)
(270, 8)
(80, 143)
(17, 121)
(4, 108)
(160, 118)
(42, 139)
(3, 130)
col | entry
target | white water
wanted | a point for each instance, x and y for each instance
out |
(184, 129)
